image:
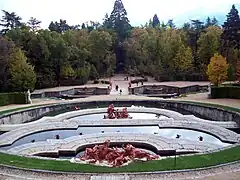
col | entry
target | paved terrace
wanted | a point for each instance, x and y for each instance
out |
(73, 143)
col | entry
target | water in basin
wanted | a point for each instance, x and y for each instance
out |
(167, 132)
(99, 116)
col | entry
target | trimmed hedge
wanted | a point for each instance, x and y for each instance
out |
(12, 98)
(225, 92)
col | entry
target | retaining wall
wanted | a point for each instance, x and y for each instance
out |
(163, 89)
(210, 113)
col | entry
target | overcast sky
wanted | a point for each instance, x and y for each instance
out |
(139, 11)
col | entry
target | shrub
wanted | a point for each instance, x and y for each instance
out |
(12, 98)
(225, 92)
(217, 69)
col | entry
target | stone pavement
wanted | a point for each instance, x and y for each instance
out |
(229, 172)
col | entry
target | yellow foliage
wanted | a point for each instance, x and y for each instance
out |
(217, 69)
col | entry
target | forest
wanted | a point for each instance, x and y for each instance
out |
(31, 57)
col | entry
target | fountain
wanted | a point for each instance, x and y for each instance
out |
(114, 157)
(112, 113)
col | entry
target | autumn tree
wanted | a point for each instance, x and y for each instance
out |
(217, 69)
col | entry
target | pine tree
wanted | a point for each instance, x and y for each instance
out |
(34, 24)
(208, 22)
(231, 30)
(83, 26)
(171, 24)
(214, 21)
(10, 21)
(119, 21)
(155, 21)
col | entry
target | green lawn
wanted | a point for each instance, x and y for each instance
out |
(187, 162)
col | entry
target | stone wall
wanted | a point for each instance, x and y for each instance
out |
(163, 89)
(210, 113)
(94, 90)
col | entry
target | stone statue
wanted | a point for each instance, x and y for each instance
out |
(112, 113)
(115, 157)
(29, 97)
(209, 90)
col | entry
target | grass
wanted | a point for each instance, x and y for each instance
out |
(184, 162)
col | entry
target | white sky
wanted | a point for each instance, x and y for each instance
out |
(139, 11)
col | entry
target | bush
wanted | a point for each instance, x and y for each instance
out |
(12, 98)
(225, 92)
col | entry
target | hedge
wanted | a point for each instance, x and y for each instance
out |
(12, 98)
(225, 92)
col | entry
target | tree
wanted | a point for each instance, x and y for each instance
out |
(208, 22)
(231, 28)
(217, 69)
(119, 21)
(100, 43)
(106, 22)
(67, 71)
(83, 26)
(214, 21)
(171, 24)
(22, 73)
(194, 34)
(34, 24)
(238, 72)
(183, 60)
(209, 44)
(6, 49)
(155, 21)
(10, 21)
(120, 24)
(60, 26)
